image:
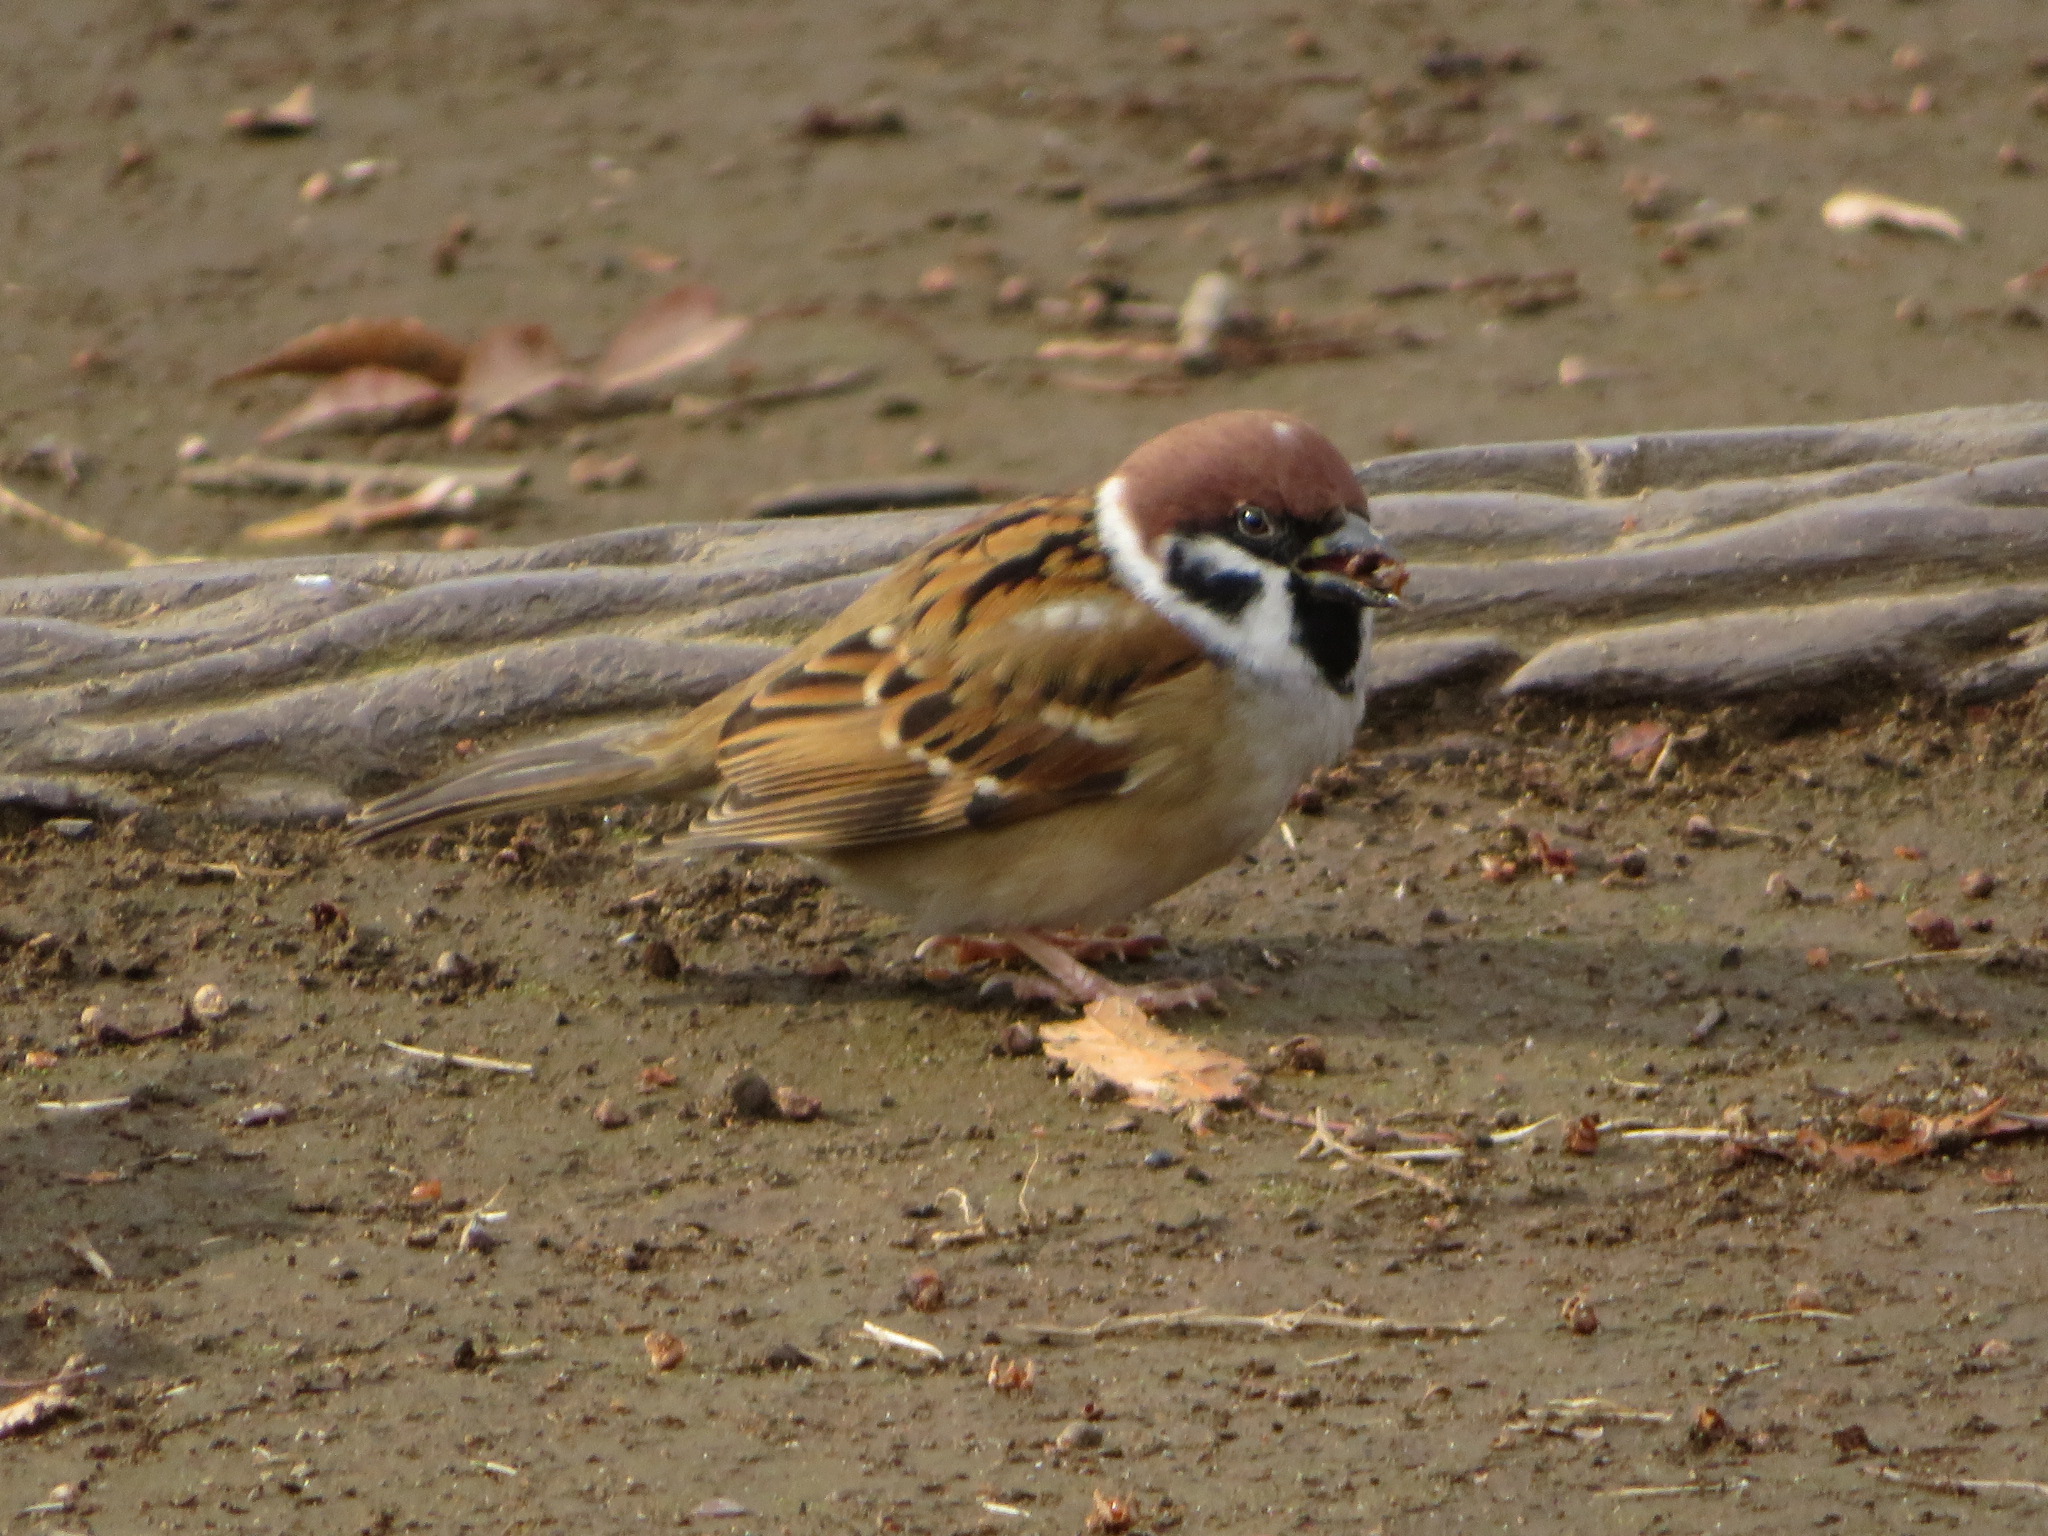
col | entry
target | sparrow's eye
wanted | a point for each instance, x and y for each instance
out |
(1255, 523)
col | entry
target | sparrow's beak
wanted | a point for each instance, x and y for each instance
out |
(1353, 564)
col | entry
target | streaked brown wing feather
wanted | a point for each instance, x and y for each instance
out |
(989, 681)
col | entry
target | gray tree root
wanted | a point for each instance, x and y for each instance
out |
(1684, 567)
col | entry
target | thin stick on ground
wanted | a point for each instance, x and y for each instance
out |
(73, 531)
(84, 1106)
(457, 1059)
(1670, 1490)
(1966, 1486)
(1920, 957)
(907, 1341)
(1803, 1314)
(1320, 1316)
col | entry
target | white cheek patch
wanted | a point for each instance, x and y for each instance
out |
(1260, 637)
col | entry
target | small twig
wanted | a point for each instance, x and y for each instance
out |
(1320, 1316)
(808, 500)
(1967, 1486)
(1664, 755)
(74, 531)
(973, 1228)
(457, 1059)
(1742, 1373)
(1326, 1141)
(84, 1106)
(1385, 1163)
(81, 1248)
(1519, 1133)
(1024, 1189)
(1597, 1410)
(68, 1372)
(489, 484)
(915, 1345)
(2001, 1210)
(1346, 1358)
(1921, 957)
(1805, 1314)
(698, 409)
(1670, 1490)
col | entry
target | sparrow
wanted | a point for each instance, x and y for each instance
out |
(1043, 721)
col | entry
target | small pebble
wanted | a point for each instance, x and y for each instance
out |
(76, 828)
(1160, 1157)
(210, 1003)
(610, 1115)
(1079, 1435)
(1933, 930)
(454, 966)
(794, 1105)
(264, 1114)
(924, 1290)
(750, 1096)
(1016, 1039)
(658, 959)
(1978, 884)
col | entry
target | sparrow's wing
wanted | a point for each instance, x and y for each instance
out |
(1000, 675)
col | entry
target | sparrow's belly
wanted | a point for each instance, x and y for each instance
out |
(1100, 861)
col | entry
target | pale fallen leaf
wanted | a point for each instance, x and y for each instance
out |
(444, 496)
(365, 400)
(379, 341)
(294, 114)
(25, 1415)
(516, 370)
(1156, 1068)
(673, 334)
(1874, 210)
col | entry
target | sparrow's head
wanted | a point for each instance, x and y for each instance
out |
(1249, 529)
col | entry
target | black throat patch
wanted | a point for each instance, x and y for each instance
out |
(1226, 592)
(1330, 633)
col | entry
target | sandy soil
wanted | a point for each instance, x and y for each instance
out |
(317, 1321)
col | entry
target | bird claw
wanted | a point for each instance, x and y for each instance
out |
(1161, 997)
(1088, 948)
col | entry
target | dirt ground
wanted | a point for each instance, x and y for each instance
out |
(349, 1290)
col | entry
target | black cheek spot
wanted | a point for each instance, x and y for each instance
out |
(1228, 593)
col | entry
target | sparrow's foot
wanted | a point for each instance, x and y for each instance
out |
(1088, 948)
(1068, 980)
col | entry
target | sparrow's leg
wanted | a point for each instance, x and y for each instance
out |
(1088, 948)
(1067, 980)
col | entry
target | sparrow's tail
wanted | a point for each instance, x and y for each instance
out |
(607, 765)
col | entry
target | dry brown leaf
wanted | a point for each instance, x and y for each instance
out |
(365, 400)
(1904, 1135)
(673, 334)
(1157, 1069)
(372, 341)
(26, 1415)
(516, 370)
(664, 1350)
(447, 496)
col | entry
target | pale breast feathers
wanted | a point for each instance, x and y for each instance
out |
(992, 680)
